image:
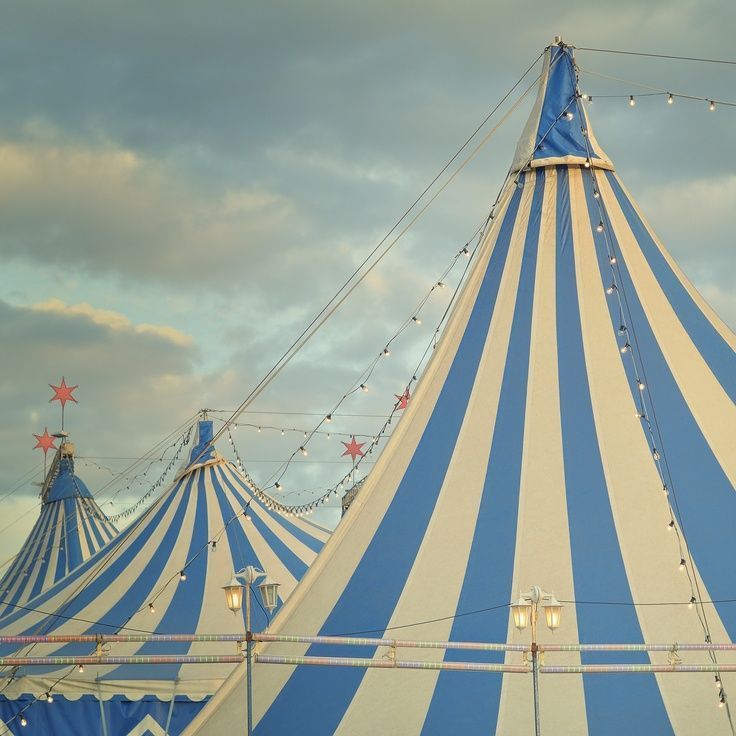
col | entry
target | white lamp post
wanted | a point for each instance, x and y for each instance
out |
(234, 599)
(525, 612)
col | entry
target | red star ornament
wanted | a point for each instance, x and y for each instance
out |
(63, 393)
(352, 448)
(403, 399)
(45, 441)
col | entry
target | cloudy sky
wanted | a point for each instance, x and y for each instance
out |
(183, 185)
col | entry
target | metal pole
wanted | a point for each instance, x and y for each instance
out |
(249, 658)
(535, 669)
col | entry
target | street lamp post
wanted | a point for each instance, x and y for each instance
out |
(234, 598)
(525, 612)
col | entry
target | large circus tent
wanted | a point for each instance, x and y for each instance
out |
(574, 430)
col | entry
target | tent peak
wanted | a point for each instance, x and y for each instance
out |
(558, 131)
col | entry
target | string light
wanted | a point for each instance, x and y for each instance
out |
(386, 351)
(612, 260)
(596, 194)
(632, 101)
(711, 105)
(655, 453)
(80, 669)
(328, 418)
(671, 526)
(278, 486)
(23, 721)
(49, 697)
(416, 320)
(587, 163)
(569, 115)
(214, 545)
(625, 347)
(670, 99)
(718, 682)
(611, 288)
(465, 252)
(303, 450)
(182, 576)
(692, 601)
(721, 699)
(364, 388)
(441, 284)
(600, 227)
(640, 384)
(151, 608)
(682, 563)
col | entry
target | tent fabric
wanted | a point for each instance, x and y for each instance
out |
(70, 528)
(523, 460)
(111, 592)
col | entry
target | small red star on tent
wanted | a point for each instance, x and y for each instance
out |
(63, 393)
(352, 448)
(403, 399)
(45, 441)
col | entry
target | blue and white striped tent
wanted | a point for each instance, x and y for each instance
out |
(579, 374)
(134, 584)
(70, 528)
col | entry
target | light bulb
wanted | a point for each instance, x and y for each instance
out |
(282, 432)
(596, 194)
(466, 252)
(670, 99)
(328, 418)
(584, 96)
(611, 289)
(441, 284)
(259, 429)
(599, 227)
(80, 668)
(416, 320)
(612, 259)
(632, 101)
(278, 486)
(625, 347)
(711, 106)
(150, 605)
(587, 163)
(718, 682)
(303, 451)
(691, 602)
(665, 490)
(682, 563)
(328, 435)
(364, 388)
(23, 721)
(569, 115)
(49, 698)
(641, 385)
(386, 351)
(183, 575)
(655, 453)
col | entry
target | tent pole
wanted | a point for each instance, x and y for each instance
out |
(102, 710)
(171, 708)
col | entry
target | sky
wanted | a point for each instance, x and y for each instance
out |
(184, 185)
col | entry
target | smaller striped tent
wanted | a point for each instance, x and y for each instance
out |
(197, 527)
(70, 529)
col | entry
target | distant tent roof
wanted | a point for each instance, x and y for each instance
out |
(523, 459)
(70, 528)
(113, 589)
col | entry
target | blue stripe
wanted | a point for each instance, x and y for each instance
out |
(240, 547)
(73, 546)
(62, 555)
(292, 563)
(86, 523)
(55, 513)
(184, 609)
(705, 497)
(616, 703)
(462, 700)
(716, 352)
(302, 704)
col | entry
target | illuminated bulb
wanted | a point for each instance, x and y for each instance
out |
(386, 351)
(611, 289)
(632, 101)
(612, 259)
(721, 699)
(711, 106)
(248, 517)
(282, 432)
(465, 252)
(718, 682)
(328, 418)
(625, 347)
(49, 698)
(639, 416)
(596, 194)
(655, 454)
(259, 429)
(584, 96)
(183, 575)
(364, 388)
(692, 601)
(641, 385)
(569, 115)
(670, 99)
(682, 563)
(587, 163)
(305, 434)
(23, 721)
(416, 320)
(599, 227)
(151, 608)
(671, 526)
(80, 668)
(665, 490)
(441, 284)
(303, 451)
(214, 547)
(328, 435)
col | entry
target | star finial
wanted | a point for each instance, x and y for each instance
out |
(403, 399)
(353, 448)
(63, 393)
(45, 441)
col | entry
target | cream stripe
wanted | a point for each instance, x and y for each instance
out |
(712, 408)
(718, 324)
(324, 582)
(403, 697)
(639, 507)
(543, 554)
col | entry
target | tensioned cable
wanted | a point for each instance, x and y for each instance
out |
(656, 56)
(339, 297)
